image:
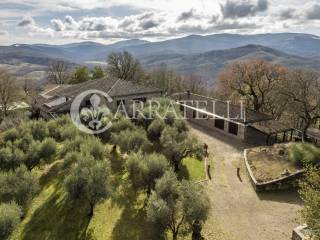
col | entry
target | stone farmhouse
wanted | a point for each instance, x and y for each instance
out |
(234, 120)
(58, 99)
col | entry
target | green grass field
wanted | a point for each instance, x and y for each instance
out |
(52, 216)
(192, 169)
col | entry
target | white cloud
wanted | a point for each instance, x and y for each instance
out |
(65, 20)
(26, 21)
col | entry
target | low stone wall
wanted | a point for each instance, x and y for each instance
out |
(286, 182)
(298, 233)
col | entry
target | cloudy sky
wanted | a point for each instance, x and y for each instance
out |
(106, 21)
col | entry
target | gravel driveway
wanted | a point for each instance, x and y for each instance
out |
(238, 212)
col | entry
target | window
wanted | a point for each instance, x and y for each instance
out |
(121, 101)
(233, 128)
(219, 123)
(194, 114)
(142, 99)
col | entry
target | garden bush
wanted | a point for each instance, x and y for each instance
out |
(304, 154)
(10, 214)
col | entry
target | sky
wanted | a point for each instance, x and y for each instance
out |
(107, 21)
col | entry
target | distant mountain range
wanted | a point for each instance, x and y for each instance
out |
(201, 55)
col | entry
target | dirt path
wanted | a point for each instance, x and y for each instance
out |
(237, 209)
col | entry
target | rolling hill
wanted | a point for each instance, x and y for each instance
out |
(209, 64)
(201, 55)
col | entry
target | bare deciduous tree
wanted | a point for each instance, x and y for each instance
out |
(254, 80)
(8, 90)
(123, 65)
(303, 89)
(31, 95)
(58, 72)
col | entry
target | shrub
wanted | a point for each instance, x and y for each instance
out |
(304, 154)
(10, 214)
(48, 149)
(18, 185)
(310, 194)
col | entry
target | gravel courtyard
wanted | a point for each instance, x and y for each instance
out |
(238, 212)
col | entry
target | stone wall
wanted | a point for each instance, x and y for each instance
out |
(286, 182)
(298, 233)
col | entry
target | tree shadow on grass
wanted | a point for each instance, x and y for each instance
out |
(133, 225)
(58, 218)
(183, 173)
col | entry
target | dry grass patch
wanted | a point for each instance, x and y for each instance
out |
(270, 163)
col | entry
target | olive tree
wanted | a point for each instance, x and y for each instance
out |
(10, 158)
(174, 204)
(10, 214)
(174, 146)
(89, 180)
(134, 140)
(19, 185)
(145, 169)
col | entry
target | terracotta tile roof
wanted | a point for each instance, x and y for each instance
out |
(113, 87)
(271, 127)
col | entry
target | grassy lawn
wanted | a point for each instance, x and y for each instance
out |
(192, 169)
(53, 216)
